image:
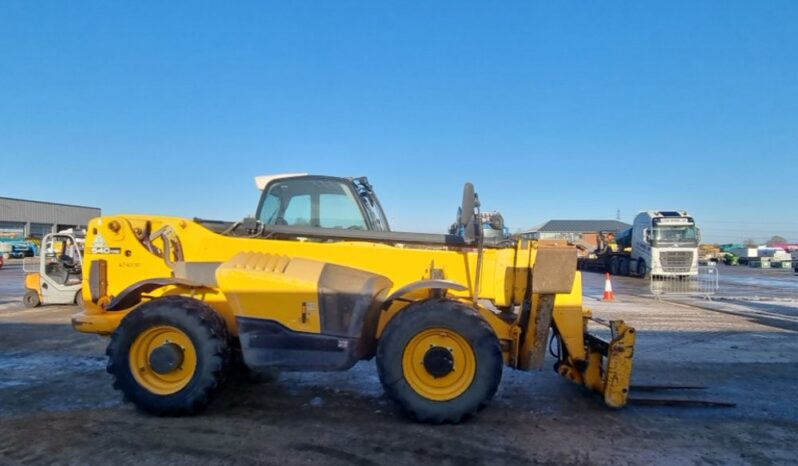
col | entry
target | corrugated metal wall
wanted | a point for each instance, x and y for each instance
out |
(18, 210)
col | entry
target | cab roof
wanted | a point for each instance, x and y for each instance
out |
(262, 181)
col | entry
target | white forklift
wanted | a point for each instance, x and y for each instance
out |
(55, 277)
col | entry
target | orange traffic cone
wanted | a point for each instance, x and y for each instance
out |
(609, 295)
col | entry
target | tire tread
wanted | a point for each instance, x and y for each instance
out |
(216, 343)
(397, 390)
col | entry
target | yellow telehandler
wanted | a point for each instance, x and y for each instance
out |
(318, 281)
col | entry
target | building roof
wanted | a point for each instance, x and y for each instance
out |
(580, 226)
(59, 204)
(26, 211)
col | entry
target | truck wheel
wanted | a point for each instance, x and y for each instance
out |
(440, 361)
(614, 266)
(31, 299)
(625, 265)
(79, 299)
(642, 268)
(170, 356)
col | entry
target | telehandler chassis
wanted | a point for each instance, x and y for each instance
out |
(442, 314)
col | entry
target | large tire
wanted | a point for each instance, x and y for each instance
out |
(642, 268)
(624, 266)
(615, 265)
(79, 299)
(31, 299)
(172, 385)
(425, 393)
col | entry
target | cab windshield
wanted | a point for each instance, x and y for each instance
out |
(312, 202)
(682, 235)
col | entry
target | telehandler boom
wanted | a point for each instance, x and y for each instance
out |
(318, 281)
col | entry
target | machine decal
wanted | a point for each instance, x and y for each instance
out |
(99, 246)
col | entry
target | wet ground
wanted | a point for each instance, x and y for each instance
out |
(734, 283)
(57, 405)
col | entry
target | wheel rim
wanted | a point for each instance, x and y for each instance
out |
(31, 299)
(430, 372)
(157, 379)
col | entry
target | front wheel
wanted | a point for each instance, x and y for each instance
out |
(170, 356)
(31, 299)
(440, 361)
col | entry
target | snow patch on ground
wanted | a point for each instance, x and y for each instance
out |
(761, 299)
(26, 368)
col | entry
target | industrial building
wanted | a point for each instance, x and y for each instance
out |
(581, 232)
(21, 218)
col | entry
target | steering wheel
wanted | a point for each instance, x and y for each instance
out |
(67, 261)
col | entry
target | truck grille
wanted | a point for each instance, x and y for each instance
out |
(676, 261)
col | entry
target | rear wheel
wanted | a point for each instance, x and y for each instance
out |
(79, 298)
(170, 356)
(31, 299)
(624, 266)
(615, 265)
(440, 361)
(642, 268)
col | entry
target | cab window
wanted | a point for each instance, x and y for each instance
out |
(269, 209)
(297, 212)
(340, 211)
(313, 202)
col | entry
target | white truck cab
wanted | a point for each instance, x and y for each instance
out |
(665, 243)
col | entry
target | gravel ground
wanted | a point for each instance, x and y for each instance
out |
(57, 405)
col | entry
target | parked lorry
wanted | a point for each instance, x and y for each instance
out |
(659, 244)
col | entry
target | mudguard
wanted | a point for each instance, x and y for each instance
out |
(435, 284)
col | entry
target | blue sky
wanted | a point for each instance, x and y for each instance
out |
(552, 109)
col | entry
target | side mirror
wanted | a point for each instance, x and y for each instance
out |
(647, 235)
(467, 207)
(698, 235)
(467, 220)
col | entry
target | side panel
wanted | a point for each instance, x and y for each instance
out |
(350, 301)
(299, 314)
(58, 294)
(640, 248)
(129, 261)
(33, 281)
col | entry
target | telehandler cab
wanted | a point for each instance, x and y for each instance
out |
(318, 281)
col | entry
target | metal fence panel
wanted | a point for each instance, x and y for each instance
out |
(704, 284)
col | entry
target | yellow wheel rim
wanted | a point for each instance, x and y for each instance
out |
(162, 383)
(461, 359)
